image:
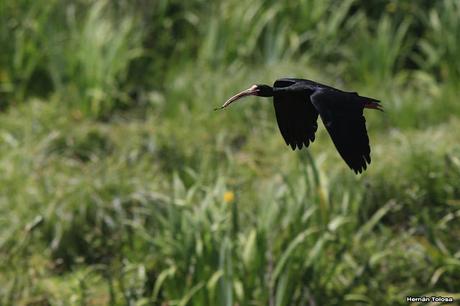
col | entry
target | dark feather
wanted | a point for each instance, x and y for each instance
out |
(342, 115)
(295, 115)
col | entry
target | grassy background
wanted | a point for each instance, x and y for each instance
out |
(121, 186)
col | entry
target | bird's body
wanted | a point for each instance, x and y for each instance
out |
(298, 103)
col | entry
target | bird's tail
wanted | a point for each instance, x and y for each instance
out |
(372, 103)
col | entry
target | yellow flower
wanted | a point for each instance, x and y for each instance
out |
(229, 197)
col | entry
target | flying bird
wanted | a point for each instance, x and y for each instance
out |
(298, 103)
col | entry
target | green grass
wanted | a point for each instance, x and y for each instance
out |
(121, 186)
(138, 206)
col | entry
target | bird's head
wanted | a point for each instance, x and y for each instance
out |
(260, 90)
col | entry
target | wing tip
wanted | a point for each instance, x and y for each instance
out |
(359, 168)
(300, 144)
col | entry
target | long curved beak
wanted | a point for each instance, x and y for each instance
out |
(251, 91)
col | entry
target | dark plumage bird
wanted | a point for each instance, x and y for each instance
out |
(298, 103)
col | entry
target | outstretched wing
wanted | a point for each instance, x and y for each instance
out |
(295, 115)
(342, 115)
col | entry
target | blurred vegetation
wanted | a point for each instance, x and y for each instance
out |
(120, 186)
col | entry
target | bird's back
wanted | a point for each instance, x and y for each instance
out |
(307, 84)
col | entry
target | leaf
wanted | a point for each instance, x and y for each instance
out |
(161, 279)
(337, 222)
(190, 294)
(212, 282)
(281, 289)
(297, 241)
(369, 225)
(249, 249)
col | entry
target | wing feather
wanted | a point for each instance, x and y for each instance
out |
(296, 116)
(342, 115)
